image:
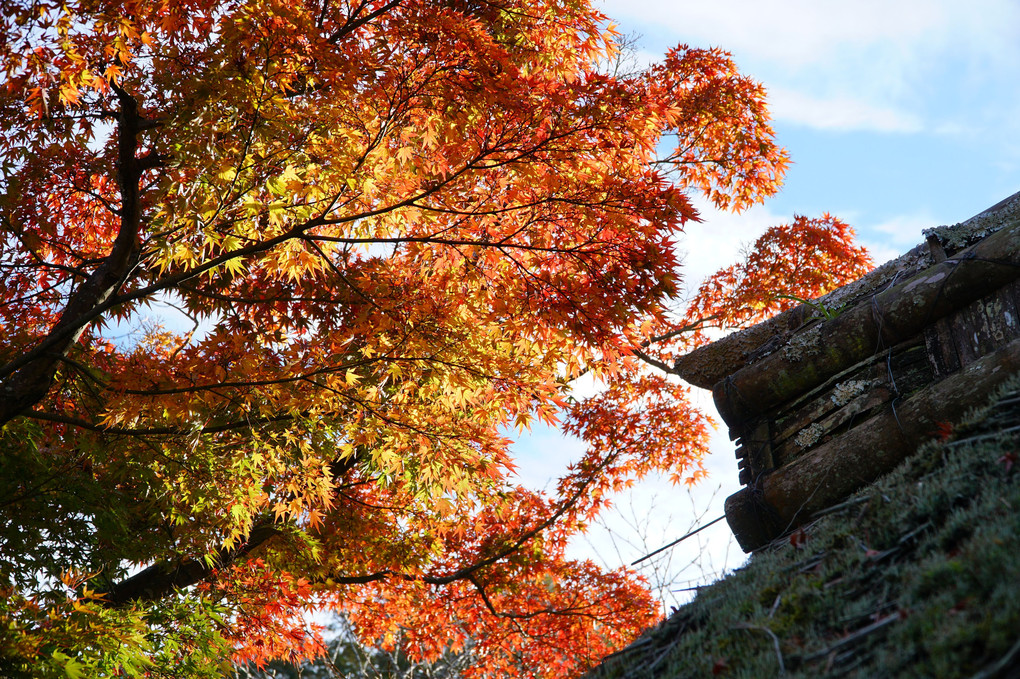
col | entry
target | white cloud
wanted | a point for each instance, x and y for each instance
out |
(878, 65)
(793, 32)
(800, 33)
(839, 113)
(953, 129)
(894, 236)
(718, 240)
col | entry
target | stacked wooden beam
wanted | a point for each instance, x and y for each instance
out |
(822, 404)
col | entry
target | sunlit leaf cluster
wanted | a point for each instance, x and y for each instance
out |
(280, 278)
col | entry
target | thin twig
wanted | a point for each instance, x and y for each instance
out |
(775, 643)
(679, 540)
(775, 605)
(1005, 662)
(854, 637)
(982, 437)
(841, 506)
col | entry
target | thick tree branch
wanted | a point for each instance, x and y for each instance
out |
(162, 579)
(27, 381)
(654, 362)
(355, 22)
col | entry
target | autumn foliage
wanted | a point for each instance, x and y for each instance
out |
(382, 235)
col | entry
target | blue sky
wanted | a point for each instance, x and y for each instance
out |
(898, 115)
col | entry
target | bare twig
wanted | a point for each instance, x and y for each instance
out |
(1006, 662)
(775, 643)
(679, 540)
(854, 637)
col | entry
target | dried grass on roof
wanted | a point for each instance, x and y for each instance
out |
(915, 576)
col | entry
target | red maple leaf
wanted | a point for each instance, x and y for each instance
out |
(943, 431)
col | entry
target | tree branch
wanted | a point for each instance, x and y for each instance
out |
(28, 380)
(161, 579)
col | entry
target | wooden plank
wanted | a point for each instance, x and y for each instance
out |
(981, 327)
(910, 369)
(829, 473)
(902, 372)
(758, 450)
(812, 356)
(1013, 289)
(857, 411)
(828, 398)
(752, 521)
(941, 349)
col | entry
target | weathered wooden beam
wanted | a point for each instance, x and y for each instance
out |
(793, 493)
(815, 354)
(706, 365)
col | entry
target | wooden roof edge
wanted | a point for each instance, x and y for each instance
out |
(985, 223)
(881, 320)
(707, 365)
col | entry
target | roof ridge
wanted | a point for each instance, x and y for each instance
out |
(705, 366)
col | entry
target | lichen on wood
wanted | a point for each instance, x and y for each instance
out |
(848, 391)
(883, 320)
(835, 469)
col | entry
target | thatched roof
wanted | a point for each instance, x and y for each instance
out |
(914, 576)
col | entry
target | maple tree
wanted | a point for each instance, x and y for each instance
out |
(398, 229)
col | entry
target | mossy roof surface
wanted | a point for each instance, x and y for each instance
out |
(917, 575)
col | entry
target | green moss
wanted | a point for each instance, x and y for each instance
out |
(918, 578)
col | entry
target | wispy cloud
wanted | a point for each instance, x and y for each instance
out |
(880, 65)
(801, 34)
(792, 32)
(718, 240)
(892, 237)
(839, 113)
